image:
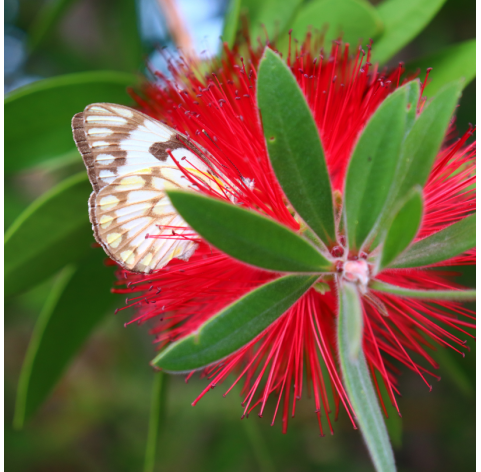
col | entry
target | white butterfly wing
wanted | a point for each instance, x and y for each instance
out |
(129, 168)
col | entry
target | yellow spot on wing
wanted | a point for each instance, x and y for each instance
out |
(132, 179)
(128, 256)
(114, 239)
(123, 112)
(147, 259)
(108, 202)
(105, 221)
(132, 182)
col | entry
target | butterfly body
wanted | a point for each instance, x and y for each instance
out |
(129, 161)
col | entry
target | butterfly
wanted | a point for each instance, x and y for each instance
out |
(128, 163)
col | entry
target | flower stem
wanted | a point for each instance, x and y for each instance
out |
(358, 384)
(157, 408)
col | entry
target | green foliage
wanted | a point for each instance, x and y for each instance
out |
(78, 301)
(353, 19)
(44, 23)
(234, 326)
(358, 383)
(403, 20)
(52, 232)
(451, 368)
(452, 63)
(247, 235)
(404, 227)
(371, 172)
(126, 26)
(294, 146)
(38, 116)
(440, 246)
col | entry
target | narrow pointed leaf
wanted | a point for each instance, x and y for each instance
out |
(234, 326)
(424, 140)
(419, 150)
(358, 384)
(157, 410)
(353, 18)
(403, 20)
(457, 295)
(37, 116)
(404, 227)
(451, 63)
(294, 146)
(440, 246)
(372, 168)
(51, 233)
(78, 301)
(247, 235)
(231, 21)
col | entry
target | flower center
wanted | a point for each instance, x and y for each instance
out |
(357, 272)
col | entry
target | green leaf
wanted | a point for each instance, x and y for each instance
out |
(38, 116)
(51, 233)
(230, 23)
(372, 168)
(234, 326)
(359, 385)
(452, 63)
(440, 246)
(404, 227)
(78, 301)
(425, 138)
(294, 146)
(403, 20)
(273, 15)
(355, 19)
(45, 21)
(157, 415)
(457, 295)
(247, 235)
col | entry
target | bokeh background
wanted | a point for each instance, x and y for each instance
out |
(96, 418)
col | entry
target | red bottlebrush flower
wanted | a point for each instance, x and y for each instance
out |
(220, 113)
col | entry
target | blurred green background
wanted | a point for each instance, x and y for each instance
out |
(96, 419)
